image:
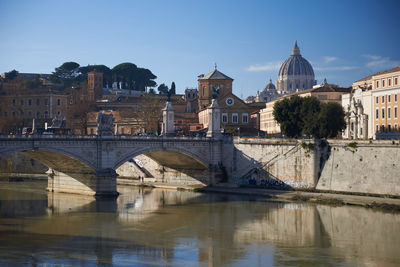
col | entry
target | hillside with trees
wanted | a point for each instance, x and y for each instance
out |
(128, 74)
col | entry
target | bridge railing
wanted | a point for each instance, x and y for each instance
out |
(96, 137)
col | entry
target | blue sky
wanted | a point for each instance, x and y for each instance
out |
(178, 40)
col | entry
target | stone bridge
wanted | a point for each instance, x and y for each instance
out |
(87, 164)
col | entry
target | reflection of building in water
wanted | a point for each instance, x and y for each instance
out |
(372, 236)
(285, 225)
(138, 205)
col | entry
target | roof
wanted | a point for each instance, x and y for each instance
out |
(321, 89)
(379, 73)
(214, 75)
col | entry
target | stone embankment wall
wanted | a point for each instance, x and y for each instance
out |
(359, 166)
(369, 167)
(18, 163)
(256, 160)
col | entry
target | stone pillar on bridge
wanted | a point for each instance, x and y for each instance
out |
(214, 116)
(103, 183)
(168, 126)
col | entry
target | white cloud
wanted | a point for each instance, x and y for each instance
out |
(328, 59)
(337, 68)
(267, 66)
(375, 61)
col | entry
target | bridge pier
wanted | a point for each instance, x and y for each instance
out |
(103, 183)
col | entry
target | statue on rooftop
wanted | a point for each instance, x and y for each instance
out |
(215, 90)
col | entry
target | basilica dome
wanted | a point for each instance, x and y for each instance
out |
(270, 86)
(296, 73)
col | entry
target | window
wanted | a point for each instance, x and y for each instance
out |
(58, 113)
(395, 81)
(383, 99)
(395, 98)
(204, 90)
(123, 131)
(30, 113)
(13, 113)
(234, 118)
(395, 112)
(383, 113)
(377, 128)
(388, 98)
(58, 102)
(22, 102)
(91, 130)
(13, 102)
(389, 82)
(388, 113)
(377, 114)
(383, 83)
(389, 128)
(46, 114)
(245, 118)
(37, 102)
(30, 102)
(45, 101)
(377, 100)
(38, 115)
(224, 118)
(396, 127)
(377, 84)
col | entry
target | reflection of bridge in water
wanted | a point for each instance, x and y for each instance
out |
(223, 229)
(87, 164)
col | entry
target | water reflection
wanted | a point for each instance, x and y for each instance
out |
(178, 228)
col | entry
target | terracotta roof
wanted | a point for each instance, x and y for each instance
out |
(215, 75)
(380, 73)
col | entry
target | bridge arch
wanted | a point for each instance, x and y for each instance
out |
(55, 158)
(161, 156)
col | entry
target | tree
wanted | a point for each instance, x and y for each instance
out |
(66, 74)
(163, 89)
(10, 75)
(287, 113)
(310, 108)
(309, 116)
(144, 79)
(133, 77)
(173, 90)
(125, 73)
(331, 120)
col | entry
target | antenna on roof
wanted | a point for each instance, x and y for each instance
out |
(215, 66)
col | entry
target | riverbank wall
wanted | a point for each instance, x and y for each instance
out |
(362, 166)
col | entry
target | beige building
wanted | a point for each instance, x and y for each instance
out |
(325, 93)
(373, 106)
(21, 104)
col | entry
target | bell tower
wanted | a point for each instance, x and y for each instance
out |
(95, 85)
(207, 82)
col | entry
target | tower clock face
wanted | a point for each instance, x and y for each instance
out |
(229, 101)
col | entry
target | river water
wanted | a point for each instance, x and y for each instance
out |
(154, 227)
